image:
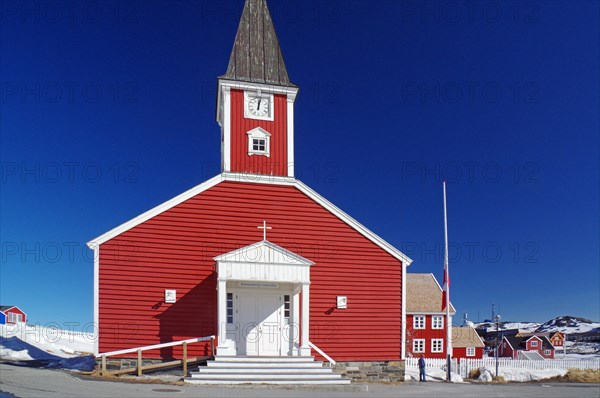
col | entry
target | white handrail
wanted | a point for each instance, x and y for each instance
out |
(317, 349)
(151, 347)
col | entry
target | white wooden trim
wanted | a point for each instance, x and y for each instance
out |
(437, 352)
(155, 346)
(413, 346)
(428, 313)
(415, 322)
(403, 337)
(260, 134)
(264, 252)
(96, 299)
(353, 223)
(320, 351)
(190, 193)
(265, 88)
(259, 179)
(433, 324)
(269, 96)
(290, 134)
(305, 325)
(226, 155)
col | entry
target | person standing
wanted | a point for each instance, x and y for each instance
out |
(422, 369)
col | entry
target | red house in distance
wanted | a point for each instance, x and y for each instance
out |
(466, 343)
(425, 321)
(531, 346)
(10, 314)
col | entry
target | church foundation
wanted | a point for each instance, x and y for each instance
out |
(376, 371)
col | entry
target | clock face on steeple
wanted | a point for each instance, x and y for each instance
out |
(258, 106)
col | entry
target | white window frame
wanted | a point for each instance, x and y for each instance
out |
(267, 97)
(13, 317)
(420, 342)
(470, 351)
(422, 322)
(259, 134)
(547, 352)
(534, 343)
(433, 345)
(437, 322)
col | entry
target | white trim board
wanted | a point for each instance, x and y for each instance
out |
(257, 179)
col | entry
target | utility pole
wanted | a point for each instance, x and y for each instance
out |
(497, 318)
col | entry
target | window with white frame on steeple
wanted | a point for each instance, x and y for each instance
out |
(259, 141)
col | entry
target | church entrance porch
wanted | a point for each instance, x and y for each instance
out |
(261, 318)
(263, 302)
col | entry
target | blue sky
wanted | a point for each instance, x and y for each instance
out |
(108, 110)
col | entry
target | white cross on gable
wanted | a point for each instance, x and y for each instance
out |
(264, 228)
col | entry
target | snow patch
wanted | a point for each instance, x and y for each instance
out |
(431, 374)
(520, 375)
(58, 348)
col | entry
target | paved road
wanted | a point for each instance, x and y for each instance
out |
(29, 382)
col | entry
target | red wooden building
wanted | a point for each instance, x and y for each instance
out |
(557, 339)
(531, 346)
(11, 314)
(253, 255)
(425, 321)
(466, 343)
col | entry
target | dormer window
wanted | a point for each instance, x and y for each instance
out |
(259, 142)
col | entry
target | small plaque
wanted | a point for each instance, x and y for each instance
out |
(342, 302)
(170, 296)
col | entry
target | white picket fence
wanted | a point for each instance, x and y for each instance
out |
(413, 363)
(466, 365)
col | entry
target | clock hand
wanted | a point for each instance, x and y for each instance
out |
(258, 108)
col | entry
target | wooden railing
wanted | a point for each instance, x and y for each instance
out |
(317, 349)
(140, 368)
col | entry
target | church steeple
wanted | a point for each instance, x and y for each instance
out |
(256, 56)
(255, 104)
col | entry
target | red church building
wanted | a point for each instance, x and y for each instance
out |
(253, 255)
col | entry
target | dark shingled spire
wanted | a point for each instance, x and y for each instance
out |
(256, 55)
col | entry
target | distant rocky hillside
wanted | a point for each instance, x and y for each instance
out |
(569, 324)
(566, 324)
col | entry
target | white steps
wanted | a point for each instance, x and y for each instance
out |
(265, 370)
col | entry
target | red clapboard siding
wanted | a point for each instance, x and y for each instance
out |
(461, 352)
(276, 163)
(175, 250)
(428, 334)
(15, 310)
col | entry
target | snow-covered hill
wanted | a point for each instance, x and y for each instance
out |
(569, 324)
(54, 348)
(565, 324)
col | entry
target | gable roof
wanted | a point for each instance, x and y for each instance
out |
(255, 179)
(466, 336)
(424, 294)
(256, 55)
(263, 252)
(4, 308)
(519, 342)
(530, 356)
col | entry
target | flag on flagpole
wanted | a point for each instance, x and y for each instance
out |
(446, 286)
(446, 289)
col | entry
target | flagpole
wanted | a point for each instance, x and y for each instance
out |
(447, 288)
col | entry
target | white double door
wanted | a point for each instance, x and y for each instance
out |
(259, 323)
